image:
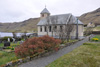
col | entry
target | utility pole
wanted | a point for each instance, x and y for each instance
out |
(77, 29)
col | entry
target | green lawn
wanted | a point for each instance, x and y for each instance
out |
(97, 36)
(1, 44)
(87, 55)
(6, 57)
(12, 44)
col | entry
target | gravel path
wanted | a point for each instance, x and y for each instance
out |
(42, 62)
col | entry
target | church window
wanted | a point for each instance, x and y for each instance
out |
(49, 28)
(61, 27)
(40, 28)
(45, 29)
(42, 15)
(55, 28)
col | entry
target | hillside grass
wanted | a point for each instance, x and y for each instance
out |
(87, 55)
(96, 28)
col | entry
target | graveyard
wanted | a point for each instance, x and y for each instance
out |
(7, 48)
(6, 57)
(7, 52)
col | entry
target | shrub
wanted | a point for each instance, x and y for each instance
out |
(12, 48)
(9, 47)
(37, 45)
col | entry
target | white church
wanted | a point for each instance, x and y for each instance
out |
(48, 22)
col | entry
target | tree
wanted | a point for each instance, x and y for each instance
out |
(47, 25)
(64, 30)
(23, 35)
(69, 27)
(14, 34)
(88, 30)
(54, 25)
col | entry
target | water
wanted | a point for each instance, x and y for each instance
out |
(3, 34)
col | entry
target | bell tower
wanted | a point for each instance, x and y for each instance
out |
(45, 13)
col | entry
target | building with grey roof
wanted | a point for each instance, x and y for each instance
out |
(47, 24)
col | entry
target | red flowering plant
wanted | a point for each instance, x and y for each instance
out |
(37, 45)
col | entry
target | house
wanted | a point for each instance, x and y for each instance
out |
(48, 23)
(91, 24)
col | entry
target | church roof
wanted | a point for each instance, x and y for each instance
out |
(59, 19)
(45, 11)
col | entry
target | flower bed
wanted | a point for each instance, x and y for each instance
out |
(96, 38)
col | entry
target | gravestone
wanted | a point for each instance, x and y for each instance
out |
(6, 44)
(8, 39)
(13, 39)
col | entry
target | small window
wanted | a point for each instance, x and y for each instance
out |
(55, 27)
(49, 28)
(45, 29)
(42, 15)
(40, 28)
(61, 27)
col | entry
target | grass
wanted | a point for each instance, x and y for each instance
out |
(69, 41)
(6, 57)
(87, 55)
(1, 44)
(97, 36)
(96, 28)
(12, 44)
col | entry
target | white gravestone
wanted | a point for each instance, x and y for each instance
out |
(8, 39)
(13, 39)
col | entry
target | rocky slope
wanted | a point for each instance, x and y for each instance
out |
(24, 26)
(31, 24)
(93, 17)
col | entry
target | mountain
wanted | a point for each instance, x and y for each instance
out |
(93, 17)
(30, 25)
(24, 26)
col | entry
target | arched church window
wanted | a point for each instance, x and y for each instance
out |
(45, 29)
(49, 28)
(40, 28)
(42, 15)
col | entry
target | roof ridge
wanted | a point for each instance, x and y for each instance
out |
(62, 14)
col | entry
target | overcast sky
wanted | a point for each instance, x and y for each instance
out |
(20, 10)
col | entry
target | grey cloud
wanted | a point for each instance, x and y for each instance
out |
(19, 10)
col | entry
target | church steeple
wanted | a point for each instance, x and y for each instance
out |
(45, 13)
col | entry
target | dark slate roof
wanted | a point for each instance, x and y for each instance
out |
(59, 19)
(45, 11)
